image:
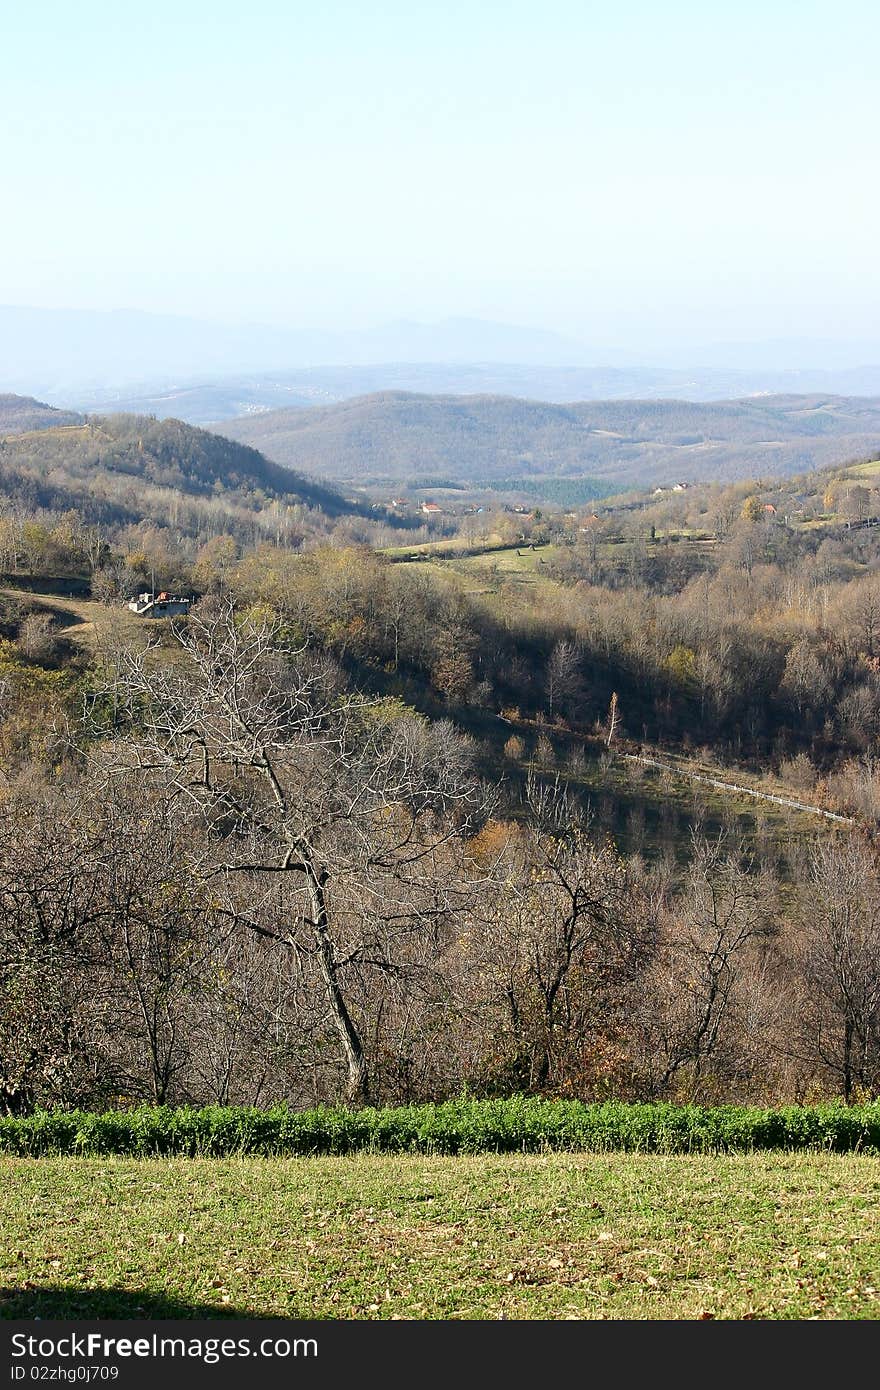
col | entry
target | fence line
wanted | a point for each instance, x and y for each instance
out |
(735, 787)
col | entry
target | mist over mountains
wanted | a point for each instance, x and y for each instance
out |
(201, 372)
(463, 399)
(228, 398)
(80, 354)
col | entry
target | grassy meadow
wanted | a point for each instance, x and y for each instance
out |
(556, 1236)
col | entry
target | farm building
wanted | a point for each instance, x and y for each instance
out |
(163, 605)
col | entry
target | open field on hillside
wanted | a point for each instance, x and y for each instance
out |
(561, 1236)
(513, 562)
(57, 432)
(485, 572)
(869, 469)
(82, 620)
(440, 549)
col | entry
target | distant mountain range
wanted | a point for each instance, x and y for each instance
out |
(199, 371)
(393, 437)
(76, 355)
(228, 398)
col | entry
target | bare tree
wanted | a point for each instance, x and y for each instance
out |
(865, 614)
(563, 676)
(358, 810)
(36, 636)
(566, 929)
(49, 906)
(701, 992)
(840, 964)
(613, 719)
(247, 1019)
(155, 934)
(805, 679)
(94, 545)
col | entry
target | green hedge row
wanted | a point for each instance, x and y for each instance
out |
(520, 1125)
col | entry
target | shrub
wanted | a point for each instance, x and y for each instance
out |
(523, 1124)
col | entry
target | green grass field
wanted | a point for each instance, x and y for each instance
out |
(508, 561)
(496, 574)
(557, 1236)
(516, 564)
(869, 469)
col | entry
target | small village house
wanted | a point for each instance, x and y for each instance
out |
(161, 605)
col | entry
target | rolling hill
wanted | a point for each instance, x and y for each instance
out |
(123, 469)
(20, 414)
(392, 436)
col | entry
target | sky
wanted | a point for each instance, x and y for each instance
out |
(641, 173)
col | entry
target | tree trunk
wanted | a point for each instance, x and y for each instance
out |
(357, 1090)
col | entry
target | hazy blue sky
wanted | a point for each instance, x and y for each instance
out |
(629, 172)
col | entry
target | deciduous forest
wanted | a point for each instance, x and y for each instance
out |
(374, 823)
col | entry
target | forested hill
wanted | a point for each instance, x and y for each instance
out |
(117, 469)
(21, 413)
(393, 435)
